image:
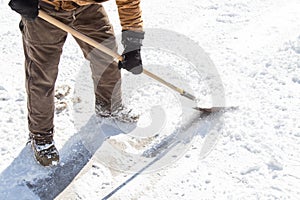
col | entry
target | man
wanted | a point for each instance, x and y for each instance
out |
(43, 45)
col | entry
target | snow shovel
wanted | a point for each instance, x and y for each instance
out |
(118, 57)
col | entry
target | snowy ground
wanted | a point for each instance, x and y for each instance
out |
(255, 46)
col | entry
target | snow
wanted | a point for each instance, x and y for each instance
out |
(255, 47)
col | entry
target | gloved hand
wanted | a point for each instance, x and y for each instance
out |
(29, 9)
(132, 60)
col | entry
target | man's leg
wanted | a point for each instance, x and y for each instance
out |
(92, 21)
(42, 48)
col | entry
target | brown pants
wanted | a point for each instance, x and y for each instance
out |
(43, 45)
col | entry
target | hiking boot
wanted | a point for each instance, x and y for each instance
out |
(121, 113)
(45, 152)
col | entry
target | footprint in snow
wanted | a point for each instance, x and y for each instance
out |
(60, 93)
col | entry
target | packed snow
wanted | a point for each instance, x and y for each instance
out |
(255, 47)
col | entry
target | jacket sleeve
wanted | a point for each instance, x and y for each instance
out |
(130, 14)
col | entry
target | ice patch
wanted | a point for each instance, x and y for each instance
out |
(4, 96)
(274, 165)
(250, 170)
(296, 80)
(295, 45)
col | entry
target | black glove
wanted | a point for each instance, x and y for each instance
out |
(29, 9)
(132, 60)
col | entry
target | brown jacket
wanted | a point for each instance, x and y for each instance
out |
(130, 13)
